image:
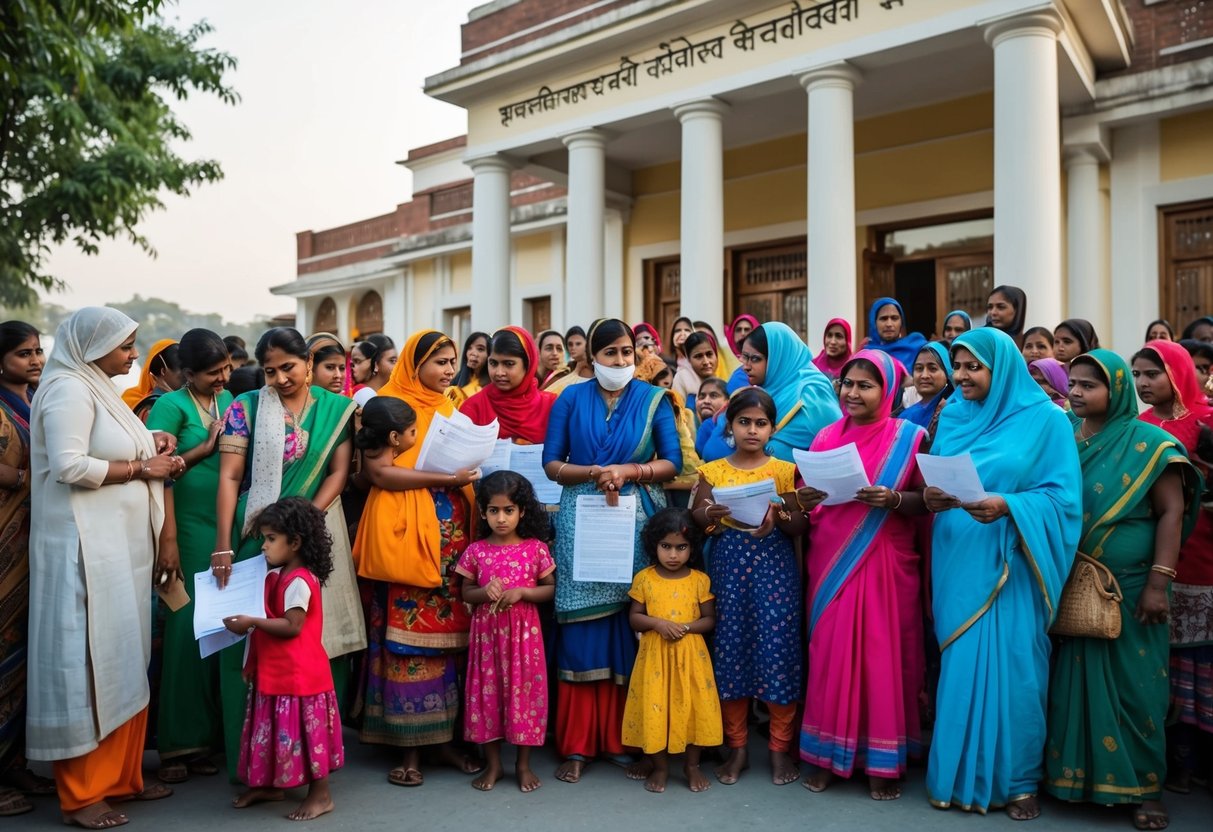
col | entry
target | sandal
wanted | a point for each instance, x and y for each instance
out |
(1150, 818)
(13, 802)
(156, 791)
(97, 816)
(173, 772)
(401, 776)
(202, 767)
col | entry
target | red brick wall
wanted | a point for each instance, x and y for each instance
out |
(525, 15)
(1169, 23)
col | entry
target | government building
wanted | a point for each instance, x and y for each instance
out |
(650, 158)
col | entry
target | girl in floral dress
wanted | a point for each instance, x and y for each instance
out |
(508, 571)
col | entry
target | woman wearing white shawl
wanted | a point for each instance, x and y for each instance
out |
(98, 518)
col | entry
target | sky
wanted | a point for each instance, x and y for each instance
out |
(331, 100)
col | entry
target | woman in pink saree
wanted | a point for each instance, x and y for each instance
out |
(865, 594)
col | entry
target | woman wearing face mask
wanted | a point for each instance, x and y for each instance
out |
(615, 436)
(932, 374)
(161, 374)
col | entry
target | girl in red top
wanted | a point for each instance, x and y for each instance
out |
(292, 731)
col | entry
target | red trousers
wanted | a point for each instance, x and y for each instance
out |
(736, 714)
(589, 718)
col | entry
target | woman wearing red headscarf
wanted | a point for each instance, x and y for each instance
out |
(513, 396)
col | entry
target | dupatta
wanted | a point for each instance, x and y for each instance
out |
(922, 412)
(1055, 374)
(399, 539)
(1023, 448)
(147, 384)
(521, 413)
(1191, 407)
(832, 367)
(887, 448)
(805, 401)
(906, 348)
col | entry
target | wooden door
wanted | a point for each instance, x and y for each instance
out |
(662, 293)
(771, 283)
(539, 314)
(964, 282)
(1187, 267)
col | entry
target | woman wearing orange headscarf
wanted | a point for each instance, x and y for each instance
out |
(413, 530)
(161, 374)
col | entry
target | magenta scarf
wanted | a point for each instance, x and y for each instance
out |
(832, 367)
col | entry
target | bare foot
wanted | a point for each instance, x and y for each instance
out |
(884, 788)
(696, 779)
(783, 768)
(819, 780)
(570, 771)
(640, 770)
(258, 796)
(488, 778)
(312, 807)
(656, 780)
(729, 772)
(456, 759)
(1026, 808)
(527, 781)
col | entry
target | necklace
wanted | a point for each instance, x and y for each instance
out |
(1082, 431)
(297, 418)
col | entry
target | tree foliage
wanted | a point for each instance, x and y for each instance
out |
(88, 136)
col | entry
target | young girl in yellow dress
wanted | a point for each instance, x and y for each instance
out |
(672, 703)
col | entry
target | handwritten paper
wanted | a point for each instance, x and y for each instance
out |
(604, 540)
(838, 472)
(955, 476)
(456, 443)
(244, 595)
(748, 504)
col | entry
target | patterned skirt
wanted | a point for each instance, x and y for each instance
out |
(290, 741)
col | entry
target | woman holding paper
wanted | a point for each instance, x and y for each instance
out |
(102, 535)
(512, 396)
(615, 436)
(998, 566)
(288, 439)
(865, 596)
(415, 526)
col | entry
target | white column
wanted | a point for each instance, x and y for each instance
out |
(1086, 244)
(490, 243)
(395, 312)
(701, 244)
(345, 321)
(833, 285)
(304, 317)
(1027, 161)
(584, 263)
(614, 302)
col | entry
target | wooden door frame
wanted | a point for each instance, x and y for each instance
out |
(731, 253)
(1166, 285)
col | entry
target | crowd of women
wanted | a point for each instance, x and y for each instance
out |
(862, 631)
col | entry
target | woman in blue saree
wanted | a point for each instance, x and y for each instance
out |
(998, 566)
(887, 332)
(615, 436)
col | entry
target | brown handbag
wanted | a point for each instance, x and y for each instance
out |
(1090, 602)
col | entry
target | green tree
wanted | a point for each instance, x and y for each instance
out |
(87, 132)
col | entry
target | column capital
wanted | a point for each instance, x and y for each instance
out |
(840, 74)
(1042, 22)
(1079, 154)
(593, 137)
(701, 107)
(491, 164)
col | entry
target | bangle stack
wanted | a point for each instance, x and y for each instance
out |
(1164, 570)
(130, 471)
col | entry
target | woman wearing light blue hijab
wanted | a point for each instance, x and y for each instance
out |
(930, 365)
(997, 569)
(775, 359)
(954, 323)
(895, 342)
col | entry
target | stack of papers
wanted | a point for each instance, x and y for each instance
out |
(748, 504)
(526, 460)
(455, 443)
(243, 595)
(838, 472)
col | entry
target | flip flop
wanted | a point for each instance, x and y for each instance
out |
(106, 819)
(408, 777)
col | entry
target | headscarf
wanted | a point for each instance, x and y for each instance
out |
(906, 348)
(522, 413)
(804, 398)
(832, 367)
(651, 330)
(1083, 330)
(318, 341)
(1023, 449)
(1019, 301)
(147, 382)
(734, 347)
(922, 412)
(1191, 407)
(1055, 373)
(968, 320)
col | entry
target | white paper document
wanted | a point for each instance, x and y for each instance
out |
(605, 539)
(500, 460)
(454, 443)
(210, 644)
(955, 476)
(748, 504)
(838, 472)
(528, 461)
(244, 595)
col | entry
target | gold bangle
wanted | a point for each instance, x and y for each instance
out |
(898, 493)
(1164, 570)
(130, 471)
(560, 471)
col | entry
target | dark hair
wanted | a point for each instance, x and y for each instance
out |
(464, 376)
(298, 519)
(201, 349)
(13, 334)
(1042, 331)
(381, 416)
(607, 331)
(748, 397)
(533, 524)
(1084, 360)
(1083, 330)
(234, 342)
(1195, 348)
(573, 330)
(427, 345)
(283, 338)
(1151, 355)
(758, 338)
(507, 342)
(1019, 300)
(246, 379)
(673, 349)
(373, 346)
(1190, 329)
(326, 352)
(713, 381)
(546, 334)
(696, 340)
(869, 368)
(672, 521)
(1166, 325)
(167, 360)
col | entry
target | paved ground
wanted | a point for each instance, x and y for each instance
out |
(604, 800)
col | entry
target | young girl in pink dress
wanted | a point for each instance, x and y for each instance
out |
(507, 572)
(292, 731)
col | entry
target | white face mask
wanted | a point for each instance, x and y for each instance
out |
(613, 378)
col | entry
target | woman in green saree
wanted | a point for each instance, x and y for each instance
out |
(190, 722)
(1108, 697)
(288, 439)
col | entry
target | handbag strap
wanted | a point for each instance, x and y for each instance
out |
(1113, 586)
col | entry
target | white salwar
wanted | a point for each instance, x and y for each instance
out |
(92, 547)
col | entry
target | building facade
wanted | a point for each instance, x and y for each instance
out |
(798, 160)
